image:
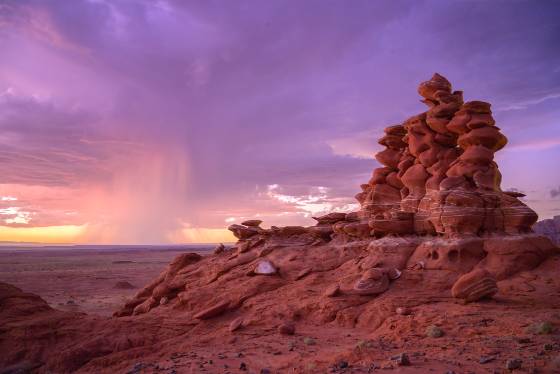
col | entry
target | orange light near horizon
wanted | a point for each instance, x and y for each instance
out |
(68, 234)
(202, 235)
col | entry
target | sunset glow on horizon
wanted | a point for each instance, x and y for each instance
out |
(153, 122)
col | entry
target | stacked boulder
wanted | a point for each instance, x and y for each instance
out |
(441, 163)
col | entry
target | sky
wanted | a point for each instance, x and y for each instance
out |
(153, 121)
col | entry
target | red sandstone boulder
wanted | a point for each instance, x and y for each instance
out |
(476, 285)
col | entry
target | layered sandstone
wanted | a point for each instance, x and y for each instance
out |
(434, 237)
(434, 204)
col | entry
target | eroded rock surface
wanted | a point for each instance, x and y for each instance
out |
(434, 204)
(433, 226)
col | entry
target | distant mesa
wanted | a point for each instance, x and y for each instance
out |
(549, 228)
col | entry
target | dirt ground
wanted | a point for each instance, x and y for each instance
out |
(84, 279)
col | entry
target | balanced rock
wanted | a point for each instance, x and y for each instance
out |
(252, 223)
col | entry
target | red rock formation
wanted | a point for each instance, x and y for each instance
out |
(434, 204)
(433, 225)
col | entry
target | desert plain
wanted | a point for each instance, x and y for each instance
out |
(90, 279)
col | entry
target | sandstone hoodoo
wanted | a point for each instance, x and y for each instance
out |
(435, 235)
(434, 206)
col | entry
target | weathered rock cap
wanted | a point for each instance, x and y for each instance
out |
(252, 223)
(330, 218)
(243, 232)
(437, 83)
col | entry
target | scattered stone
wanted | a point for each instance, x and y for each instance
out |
(236, 324)
(434, 331)
(394, 274)
(304, 273)
(266, 371)
(71, 302)
(513, 364)
(164, 300)
(213, 311)
(401, 359)
(124, 285)
(219, 248)
(548, 347)
(332, 290)
(342, 364)
(403, 311)
(486, 359)
(287, 328)
(265, 267)
(309, 341)
(243, 366)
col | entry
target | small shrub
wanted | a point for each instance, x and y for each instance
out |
(363, 345)
(541, 328)
(309, 341)
(434, 332)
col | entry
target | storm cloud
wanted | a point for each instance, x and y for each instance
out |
(162, 116)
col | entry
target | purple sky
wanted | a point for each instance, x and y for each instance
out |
(164, 121)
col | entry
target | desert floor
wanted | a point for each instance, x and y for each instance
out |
(84, 279)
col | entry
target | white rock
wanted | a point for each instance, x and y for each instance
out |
(265, 267)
